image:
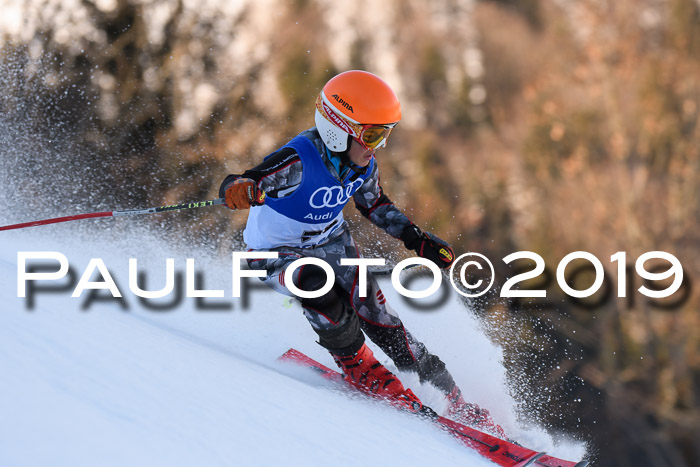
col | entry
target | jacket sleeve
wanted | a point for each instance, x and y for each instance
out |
(371, 201)
(278, 175)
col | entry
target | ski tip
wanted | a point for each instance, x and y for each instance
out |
(291, 353)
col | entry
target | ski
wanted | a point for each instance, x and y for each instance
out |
(503, 453)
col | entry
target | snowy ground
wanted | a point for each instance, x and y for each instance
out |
(105, 386)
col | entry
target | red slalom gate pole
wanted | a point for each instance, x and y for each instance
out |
(128, 212)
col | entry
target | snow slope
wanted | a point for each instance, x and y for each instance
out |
(183, 387)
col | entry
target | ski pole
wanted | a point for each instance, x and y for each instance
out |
(128, 212)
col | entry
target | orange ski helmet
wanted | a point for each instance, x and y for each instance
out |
(358, 104)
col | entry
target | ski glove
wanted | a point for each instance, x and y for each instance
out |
(244, 193)
(428, 246)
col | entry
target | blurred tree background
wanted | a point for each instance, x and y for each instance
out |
(542, 125)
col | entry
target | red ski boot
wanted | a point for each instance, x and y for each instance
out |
(471, 414)
(363, 371)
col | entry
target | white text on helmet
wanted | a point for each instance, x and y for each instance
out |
(338, 121)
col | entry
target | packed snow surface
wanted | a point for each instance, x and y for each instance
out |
(107, 382)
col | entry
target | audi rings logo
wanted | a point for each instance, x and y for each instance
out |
(333, 196)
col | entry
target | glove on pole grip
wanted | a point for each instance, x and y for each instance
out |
(428, 246)
(244, 193)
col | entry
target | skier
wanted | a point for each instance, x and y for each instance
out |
(296, 196)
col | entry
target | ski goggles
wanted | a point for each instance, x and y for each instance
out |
(373, 136)
(370, 135)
